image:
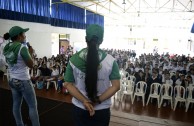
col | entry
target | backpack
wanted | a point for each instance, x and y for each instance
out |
(40, 85)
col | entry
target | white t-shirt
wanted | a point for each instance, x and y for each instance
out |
(55, 72)
(20, 70)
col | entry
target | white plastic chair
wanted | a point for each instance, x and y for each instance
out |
(155, 92)
(133, 78)
(166, 93)
(129, 89)
(125, 75)
(118, 94)
(140, 90)
(122, 73)
(178, 96)
(48, 84)
(189, 97)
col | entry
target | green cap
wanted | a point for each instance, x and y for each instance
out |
(95, 30)
(16, 30)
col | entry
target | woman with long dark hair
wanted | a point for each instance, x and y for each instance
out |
(92, 77)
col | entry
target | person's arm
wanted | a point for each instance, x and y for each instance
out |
(110, 91)
(115, 80)
(79, 96)
(69, 84)
(75, 92)
(27, 56)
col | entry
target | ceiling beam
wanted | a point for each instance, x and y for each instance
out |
(139, 6)
(131, 5)
(189, 2)
(102, 6)
(89, 5)
(157, 4)
(173, 4)
(78, 1)
(148, 4)
(163, 5)
(72, 3)
(116, 4)
(85, 1)
(111, 8)
(183, 5)
(117, 14)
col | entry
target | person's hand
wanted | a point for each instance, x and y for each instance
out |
(88, 105)
(31, 50)
(96, 101)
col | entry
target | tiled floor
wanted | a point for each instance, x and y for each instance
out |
(126, 114)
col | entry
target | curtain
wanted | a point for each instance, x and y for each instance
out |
(26, 10)
(67, 15)
(61, 15)
(54, 1)
(92, 18)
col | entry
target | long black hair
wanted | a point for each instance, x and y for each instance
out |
(6, 36)
(92, 63)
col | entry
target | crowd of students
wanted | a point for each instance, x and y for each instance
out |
(165, 68)
(50, 69)
(162, 69)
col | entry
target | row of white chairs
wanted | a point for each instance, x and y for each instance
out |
(157, 91)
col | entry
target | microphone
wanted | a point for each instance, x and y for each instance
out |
(28, 44)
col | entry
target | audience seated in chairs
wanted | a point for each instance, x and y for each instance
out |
(45, 73)
(158, 68)
(156, 78)
(167, 80)
(54, 77)
(189, 81)
(140, 76)
(61, 79)
(176, 77)
(35, 73)
(181, 81)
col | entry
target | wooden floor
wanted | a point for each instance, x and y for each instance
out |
(125, 106)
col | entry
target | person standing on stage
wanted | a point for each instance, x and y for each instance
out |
(92, 78)
(19, 59)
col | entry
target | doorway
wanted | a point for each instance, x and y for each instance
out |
(63, 43)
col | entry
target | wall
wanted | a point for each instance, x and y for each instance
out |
(168, 32)
(40, 35)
